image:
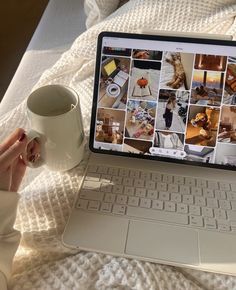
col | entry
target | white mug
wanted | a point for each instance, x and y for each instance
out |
(56, 123)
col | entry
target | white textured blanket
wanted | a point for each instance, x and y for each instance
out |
(42, 262)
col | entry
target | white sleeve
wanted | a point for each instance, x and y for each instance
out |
(9, 237)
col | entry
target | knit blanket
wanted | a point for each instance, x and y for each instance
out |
(42, 262)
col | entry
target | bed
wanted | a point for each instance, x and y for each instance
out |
(42, 261)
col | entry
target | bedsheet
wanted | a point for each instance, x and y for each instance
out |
(42, 262)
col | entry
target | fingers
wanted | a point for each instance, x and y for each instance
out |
(16, 135)
(9, 155)
(18, 172)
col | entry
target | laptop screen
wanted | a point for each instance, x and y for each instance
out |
(165, 98)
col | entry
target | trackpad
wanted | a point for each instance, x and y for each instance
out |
(163, 242)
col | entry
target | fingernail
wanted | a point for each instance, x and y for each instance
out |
(22, 137)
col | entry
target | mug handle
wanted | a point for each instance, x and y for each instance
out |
(31, 135)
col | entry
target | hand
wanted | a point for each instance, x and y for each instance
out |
(12, 167)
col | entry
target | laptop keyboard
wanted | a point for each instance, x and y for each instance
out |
(189, 201)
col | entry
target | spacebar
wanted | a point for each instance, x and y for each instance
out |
(159, 215)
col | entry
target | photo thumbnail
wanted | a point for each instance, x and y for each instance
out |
(114, 80)
(140, 119)
(225, 154)
(177, 70)
(207, 88)
(136, 146)
(230, 85)
(110, 126)
(199, 153)
(210, 62)
(231, 59)
(172, 110)
(147, 54)
(116, 51)
(227, 130)
(144, 80)
(202, 126)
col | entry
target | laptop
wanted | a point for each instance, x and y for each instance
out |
(160, 185)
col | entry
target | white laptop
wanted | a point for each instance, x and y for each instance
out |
(160, 185)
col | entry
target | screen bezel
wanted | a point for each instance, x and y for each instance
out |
(96, 86)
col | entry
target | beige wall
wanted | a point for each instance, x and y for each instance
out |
(187, 61)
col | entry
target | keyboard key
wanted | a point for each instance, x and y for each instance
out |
(110, 197)
(161, 186)
(93, 205)
(118, 189)
(124, 172)
(169, 206)
(133, 201)
(92, 176)
(121, 199)
(82, 203)
(119, 209)
(145, 175)
(196, 190)
(199, 200)
(145, 202)
(93, 185)
(224, 204)
(167, 178)
(201, 183)
(173, 188)
(176, 197)
(184, 189)
(233, 186)
(157, 204)
(129, 190)
(127, 181)
(106, 207)
(224, 228)
(213, 184)
(212, 202)
(196, 221)
(231, 195)
(156, 176)
(233, 205)
(163, 195)
(106, 187)
(134, 173)
(106, 178)
(154, 214)
(182, 208)
(207, 212)
(138, 183)
(179, 180)
(220, 194)
(91, 195)
(113, 171)
(224, 186)
(188, 199)
(102, 169)
(149, 184)
(210, 223)
(92, 168)
(219, 213)
(231, 215)
(141, 192)
(194, 210)
(117, 179)
(190, 181)
(152, 194)
(208, 192)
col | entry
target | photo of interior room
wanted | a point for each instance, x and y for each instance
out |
(225, 154)
(176, 70)
(110, 126)
(136, 146)
(177, 101)
(227, 130)
(144, 80)
(169, 140)
(114, 82)
(140, 119)
(119, 51)
(207, 87)
(199, 153)
(210, 62)
(230, 85)
(147, 54)
(202, 126)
